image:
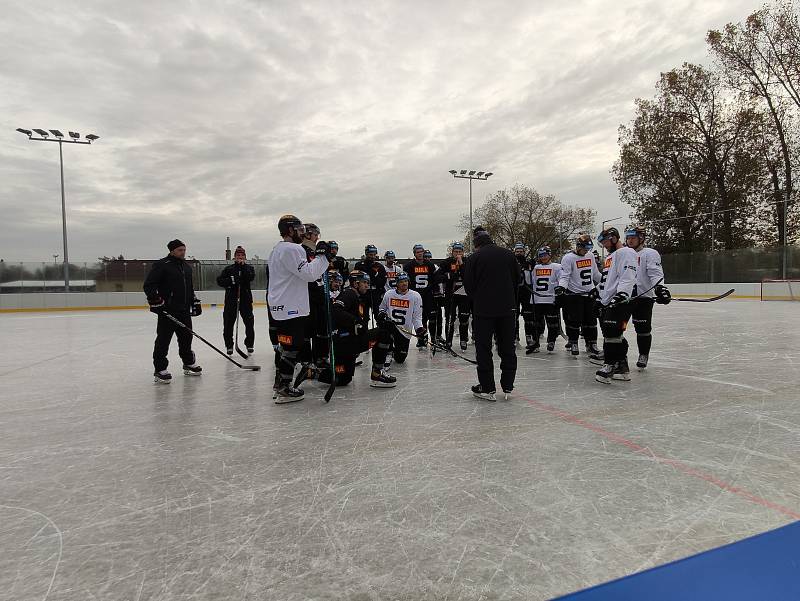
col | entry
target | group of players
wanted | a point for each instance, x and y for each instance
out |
(383, 305)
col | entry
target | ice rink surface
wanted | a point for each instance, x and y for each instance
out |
(115, 488)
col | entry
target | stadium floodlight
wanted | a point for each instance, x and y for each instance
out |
(452, 171)
(481, 175)
(59, 138)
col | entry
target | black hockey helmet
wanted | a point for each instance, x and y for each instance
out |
(389, 254)
(370, 249)
(312, 229)
(358, 276)
(608, 233)
(333, 244)
(426, 254)
(544, 251)
(290, 221)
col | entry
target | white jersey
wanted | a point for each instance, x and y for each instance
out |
(649, 271)
(545, 280)
(403, 309)
(391, 275)
(619, 274)
(290, 272)
(579, 274)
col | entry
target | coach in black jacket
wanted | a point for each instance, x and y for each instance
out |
(491, 277)
(169, 288)
(236, 280)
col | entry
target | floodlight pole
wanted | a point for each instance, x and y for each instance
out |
(59, 138)
(471, 175)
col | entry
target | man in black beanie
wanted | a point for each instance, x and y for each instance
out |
(491, 277)
(169, 288)
(236, 280)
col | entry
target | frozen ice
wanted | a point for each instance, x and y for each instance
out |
(112, 487)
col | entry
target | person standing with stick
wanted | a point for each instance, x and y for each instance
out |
(236, 280)
(491, 279)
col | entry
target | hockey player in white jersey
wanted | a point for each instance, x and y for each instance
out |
(616, 290)
(402, 307)
(393, 269)
(545, 275)
(650, 285)
(576, 289)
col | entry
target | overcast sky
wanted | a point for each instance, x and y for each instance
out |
(215, 118)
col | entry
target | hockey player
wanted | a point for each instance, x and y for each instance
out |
(421, 274)
(648, 275)
(616, 290)
(402, 307)
(576, 289)
(376, 273)
(525, 307)
(315, 346)
(169, 288)
(456, 301)
(393, 269)
(545, 279)
(339, 263)
(236, 279)
(291, 271)
(336, 281)
(350, 312)
(437, 292)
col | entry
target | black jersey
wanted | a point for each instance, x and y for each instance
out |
(349, 309)
(376, 272)
(341, 265)
(451, 274)
(421, 275)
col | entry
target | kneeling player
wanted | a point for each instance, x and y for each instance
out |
(350, 313)
(401, 307)
(545, 278)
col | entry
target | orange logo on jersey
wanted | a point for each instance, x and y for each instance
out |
(607, 263)
(340, 369)
(361, 310)
(284, 339)
(420, 269)
(544, 272)
(583, 263)
(454, 266)
(399, 302)
(391, 274)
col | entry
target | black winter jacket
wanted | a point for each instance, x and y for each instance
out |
(491, 278)
(170, 279)
(237, 276)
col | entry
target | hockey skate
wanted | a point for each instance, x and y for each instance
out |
(380, 379)
(551, 346)
(192, 370)
(478, 392)
(288, 394)
(641, 362)
(622, 371)
(596, 358)
(604, 374)
(162, 377)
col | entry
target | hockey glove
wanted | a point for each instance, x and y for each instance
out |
(197, 308)
(594, 294)
(323, 250)
(383, 319)
(157, 305)
(663, 296)
(560, 290)
(619, 298)
(421, 332)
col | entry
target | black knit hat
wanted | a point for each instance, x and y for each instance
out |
(174, 244)
(239, 250)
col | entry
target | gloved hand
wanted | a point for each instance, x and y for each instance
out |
(358, 329)
(157, 305)
(421, 332)
(663, 296)
(594, 294)
(619, 298)
(382, 318)
(323, 250)
(197, 308)
(560, 290)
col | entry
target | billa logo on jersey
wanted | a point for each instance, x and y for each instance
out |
(607, 263)
(583, 263)
(421, 269)
(391, 274)
(544, 272)
(284, 339)
(399, 302)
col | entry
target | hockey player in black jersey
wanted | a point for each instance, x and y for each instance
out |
(456, 301)
(435, 322)
(352, 335)
(376, 273)
(340, 264)
(525, 307)
(236, 279)
(421, 273)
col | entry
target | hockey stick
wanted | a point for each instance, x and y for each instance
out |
(326, 282)
(450, 351)
(707, 300)
(236, 363)
(242, 354)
